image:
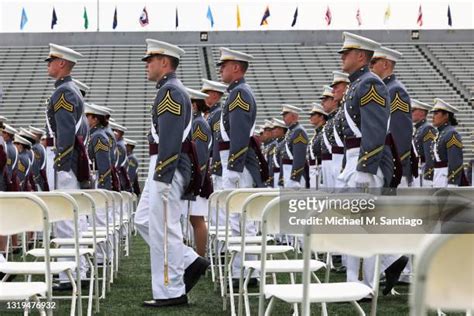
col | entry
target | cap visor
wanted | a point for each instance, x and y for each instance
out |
(144, 58)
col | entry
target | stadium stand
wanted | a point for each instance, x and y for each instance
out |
(282, 73)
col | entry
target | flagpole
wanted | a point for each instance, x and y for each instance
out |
(98, 15)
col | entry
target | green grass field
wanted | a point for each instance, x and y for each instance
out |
(133, 286)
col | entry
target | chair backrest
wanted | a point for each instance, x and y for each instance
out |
(61, 206)
(100, 197)
(256, 202)
(85, 202)
(235, 199)
(444, 274)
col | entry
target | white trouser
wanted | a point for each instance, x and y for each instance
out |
(313, 176)
(100, 221)
(149, 222)
(2, 258)
(276, 179)
(327, 174)
(287, 176)
(65, 229)
(217, 183)
(199, 207)
(245, 181)
(336, 165)
(440, 177)
(50, 167)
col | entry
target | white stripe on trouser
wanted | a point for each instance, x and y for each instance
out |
(245, 181)
(50, 167)
(440, 177)
(287, 175)
(65, 229)
(149, 222)
(348, 177)
(336, 165)
(327, 174)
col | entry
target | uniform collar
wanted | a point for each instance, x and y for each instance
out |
(62, 80)
(332, 114)
(388, 79)
(197, 114)
(279, 139)
(442, 127)
(294, 125)
(235, 84)
(165, 79)
(214, 107)
(417, 125)
(358, 73)
(319, 128)
(93, 129)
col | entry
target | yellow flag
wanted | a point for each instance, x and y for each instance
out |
(388, 12)
(238, 16)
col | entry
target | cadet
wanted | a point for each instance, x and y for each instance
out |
(278, 133)
(423, 136)
(11, 175)
(82, 87)
(122, 161)
(269, 152)
(243, 165)
(293, 157)
(67, 130)
(113, 153)
(329, 172)
(98, 147)
(447, 147)
(202, 137)
(382, 64)
(318, 119)
(3, 158)
(39, 165)
(159, 211)
(368, 160)
(27, 181)
(132, 165)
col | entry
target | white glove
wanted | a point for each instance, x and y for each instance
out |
(292, 184)
(64, 179)
(163, 188)
(363, 179)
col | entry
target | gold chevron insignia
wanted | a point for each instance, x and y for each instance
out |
(217, 126)
(168, 104)
(239, 102)
(429, 136)
(21, 167)
(300, 139)
(399, 104)
(198, 134)
(372, 96)
(100, 146)
(454, 142)
(62, 103)
(37, 155)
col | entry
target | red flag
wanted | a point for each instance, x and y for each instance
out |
(359, 17)
(328, 16)
(420, 17)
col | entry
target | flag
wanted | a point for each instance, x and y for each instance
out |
(450, 20)
(209, 15)
(144, 17)
(238, 17)
(328, 16)
(295, 17)
(266, 14)
(420, 17)
(115, 22)
(54, 19)
(388, 13)
(86, 19)
(24, 19)
(177, 21)
(359, 17)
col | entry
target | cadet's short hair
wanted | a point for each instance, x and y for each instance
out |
(243, 65)
(368, 55)
(174, 62)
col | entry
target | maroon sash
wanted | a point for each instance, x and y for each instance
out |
(207, 187)
(397, 164)
(255, 144)
(189, 148)
(45, 186)
(83, 168)
(115, 179)
(414, 161)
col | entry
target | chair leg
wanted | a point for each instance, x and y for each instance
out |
(219, 269)
(359, 309)
(91, 286)
(268, 311)
(104, 270)
(231, 287)
(246, 293)
(210, 249)
(74, 292)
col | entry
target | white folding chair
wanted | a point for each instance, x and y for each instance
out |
(360, 244)
(21, 212)
(127, 217)
(444, 275)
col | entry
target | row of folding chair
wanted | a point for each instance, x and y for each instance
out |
(263, 205)
(111, 239)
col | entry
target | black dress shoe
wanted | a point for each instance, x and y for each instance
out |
(182, 300)
(392, 273)
(193, 273)
(253, 282)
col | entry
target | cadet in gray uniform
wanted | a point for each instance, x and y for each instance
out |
(39, 165)
(318, 119)
(423, 136)
(447, 148)
(67, 126)
(27, 180)
(368, 160)
(122, 161)
(98, 147)
(132, 166)
(293, 157)
(328, 170)
(24, 162)
(159, 211)
(382, 64)
(238, 149)
(3, 158)
(278, 133)
(269, 152)
(11, 176)
(202, 137)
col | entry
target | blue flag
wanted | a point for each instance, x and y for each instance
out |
(450, 20)
(24, 19)
(266, 14)
(177, 22)
(114, 24)
(54, 19)
(209, 15)
(295, 17)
